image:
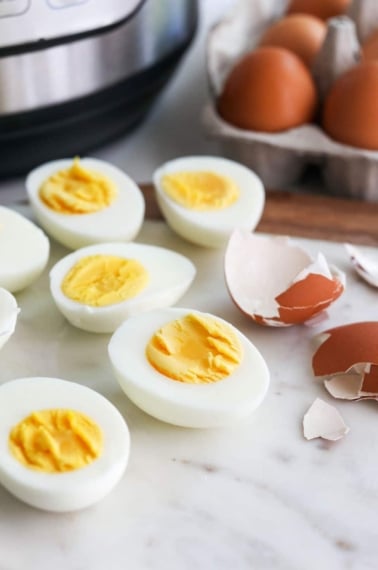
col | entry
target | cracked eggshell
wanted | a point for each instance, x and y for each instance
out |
(8, 315)
(347, 357)
(365, 267)
(323, 420)
(276, 282)
(349, 348)
(354, 386)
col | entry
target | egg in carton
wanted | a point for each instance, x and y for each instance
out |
(280, 158)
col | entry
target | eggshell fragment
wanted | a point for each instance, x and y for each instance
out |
(350, 387)
(365, 267)
(348, 348)
(276, 282)
(323, 420)
(8, 315)
(347, 358)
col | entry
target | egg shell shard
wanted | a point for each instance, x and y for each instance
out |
(365, 267)
(212, 228)
(9, 311)
(347, 348)
(120, 221)
(24, 251)
(354, 387)
(186, 405)
(276, 282)
(281, 158)
(171, 274)
(323, 420)
(71, 490)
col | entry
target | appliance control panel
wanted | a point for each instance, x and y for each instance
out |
(29, 21)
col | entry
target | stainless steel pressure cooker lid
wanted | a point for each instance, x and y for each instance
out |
(32, 23)
(68, 94)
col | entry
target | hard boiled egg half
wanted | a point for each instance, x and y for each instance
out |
(97, 287)
(24, 250)
(204, 198)
(81, 202)
(63, 446)
(188, 368)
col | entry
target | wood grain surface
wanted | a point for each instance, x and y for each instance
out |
(307, 215)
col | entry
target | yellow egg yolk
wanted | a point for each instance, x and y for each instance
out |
(200, 190)
(100, 280)
(195, 350)
(77, 191)
(56, 440)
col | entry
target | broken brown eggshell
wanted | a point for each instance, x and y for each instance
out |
(281, 158)
(366, 268)
(323, 420)
(347, 360)
(276, 282)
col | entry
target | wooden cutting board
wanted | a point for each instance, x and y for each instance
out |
(307, 215)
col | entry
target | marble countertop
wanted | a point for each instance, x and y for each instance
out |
(253, 495)
(256, 495)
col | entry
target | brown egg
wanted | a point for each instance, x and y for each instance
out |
(370, 47)
(323, 9)
(300, 33)
(269, 90)
(350, 113)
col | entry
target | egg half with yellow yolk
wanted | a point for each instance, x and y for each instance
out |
(97, 287)
(188, 368)
(63, 446)
(204, 198)
(86, 201)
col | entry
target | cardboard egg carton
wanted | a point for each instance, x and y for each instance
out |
(280, 158)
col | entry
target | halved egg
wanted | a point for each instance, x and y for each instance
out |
(188, 368)
(83, 202)
(276, 282)
(97, 287)
(204, 198)
(63, 446)
(8, 315)
(24, 250)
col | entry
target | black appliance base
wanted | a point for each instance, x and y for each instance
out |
(74, 128)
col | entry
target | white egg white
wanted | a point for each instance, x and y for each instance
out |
(187, 405)
(170, 275)
(212, 228)
(8, 315)
(24, 250)
(120, 221)
(71, 490)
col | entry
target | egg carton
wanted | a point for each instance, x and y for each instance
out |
(281, 158)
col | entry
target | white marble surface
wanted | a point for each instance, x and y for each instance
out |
(256, 495)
